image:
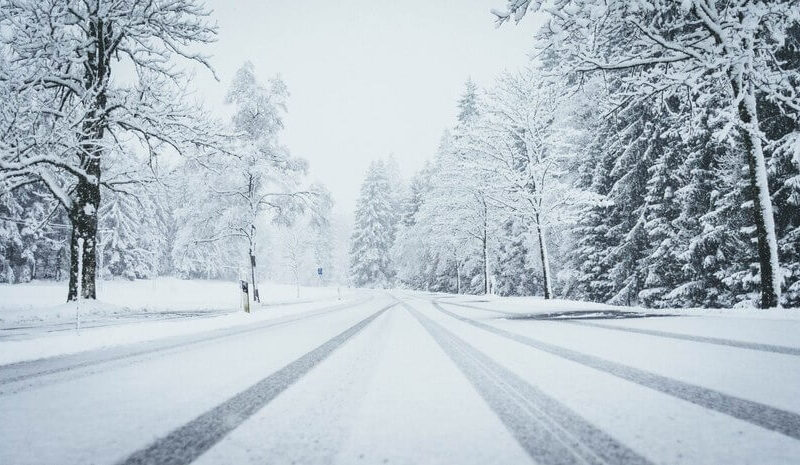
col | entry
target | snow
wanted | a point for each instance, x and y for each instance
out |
(388, 396)
(537, 305)
(394, 393)
(153, 310)
(43, 301)
(161, 394)
(662, 428)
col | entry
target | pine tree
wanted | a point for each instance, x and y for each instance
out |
(131, 237)
(468, 103)
(662, 265)
(515, 273)
(371, 242)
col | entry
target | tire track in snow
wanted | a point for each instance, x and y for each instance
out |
(755, 413)
(551, 433)
(688, 337)
(786, 350)
(185, 444)
(20, 375)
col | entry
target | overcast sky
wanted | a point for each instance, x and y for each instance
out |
(367, 77)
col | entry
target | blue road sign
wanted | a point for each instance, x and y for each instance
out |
(319, 271)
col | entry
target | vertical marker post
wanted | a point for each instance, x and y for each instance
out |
(245, 296)
(80, 287)
(245, 293)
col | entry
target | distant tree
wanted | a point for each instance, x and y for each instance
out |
(255, 179)
(521, 145)
(373, 232)
(515, 271)
(296, 245)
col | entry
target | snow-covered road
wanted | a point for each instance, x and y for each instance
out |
(413, 378)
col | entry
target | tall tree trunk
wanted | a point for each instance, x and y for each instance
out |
(543, 255)
(84, 210)
(485, 241)
(252, 253)
(762, 202)
(83, 217)
(458, 272)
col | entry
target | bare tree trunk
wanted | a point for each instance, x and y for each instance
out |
(74, 263)
(768, 260)
(252, 254)
(485, 241)
(83, 213)
(458, 273)
(543, 255)
(84, 226)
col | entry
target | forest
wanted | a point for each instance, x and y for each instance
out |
(108, 167)
(649, 155)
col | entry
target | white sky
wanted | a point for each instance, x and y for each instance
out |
(367, 77)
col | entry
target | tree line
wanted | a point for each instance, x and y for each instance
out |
(648, 156)
(107, 166)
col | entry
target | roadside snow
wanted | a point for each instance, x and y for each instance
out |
(537, 305)
(43, 301)
(137, 311)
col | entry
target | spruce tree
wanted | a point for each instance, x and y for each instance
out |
(370, 244)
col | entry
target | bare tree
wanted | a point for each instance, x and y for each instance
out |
(257, 179)
(520, 143)
(296, 251)
(58, 58)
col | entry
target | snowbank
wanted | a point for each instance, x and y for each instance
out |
(536, 305)
(69, 342)
(43, 301)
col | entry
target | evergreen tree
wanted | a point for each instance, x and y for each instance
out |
(131, 237)
(515, 273)
(662, 266)
(371, 242)
(468, 103)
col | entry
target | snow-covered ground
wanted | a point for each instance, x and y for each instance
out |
(539, 305)
(407, 377)
(129, 312)
(43, 301)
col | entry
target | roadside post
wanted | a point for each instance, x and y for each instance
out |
(319, 273)
(79, 280)
(245, 294)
